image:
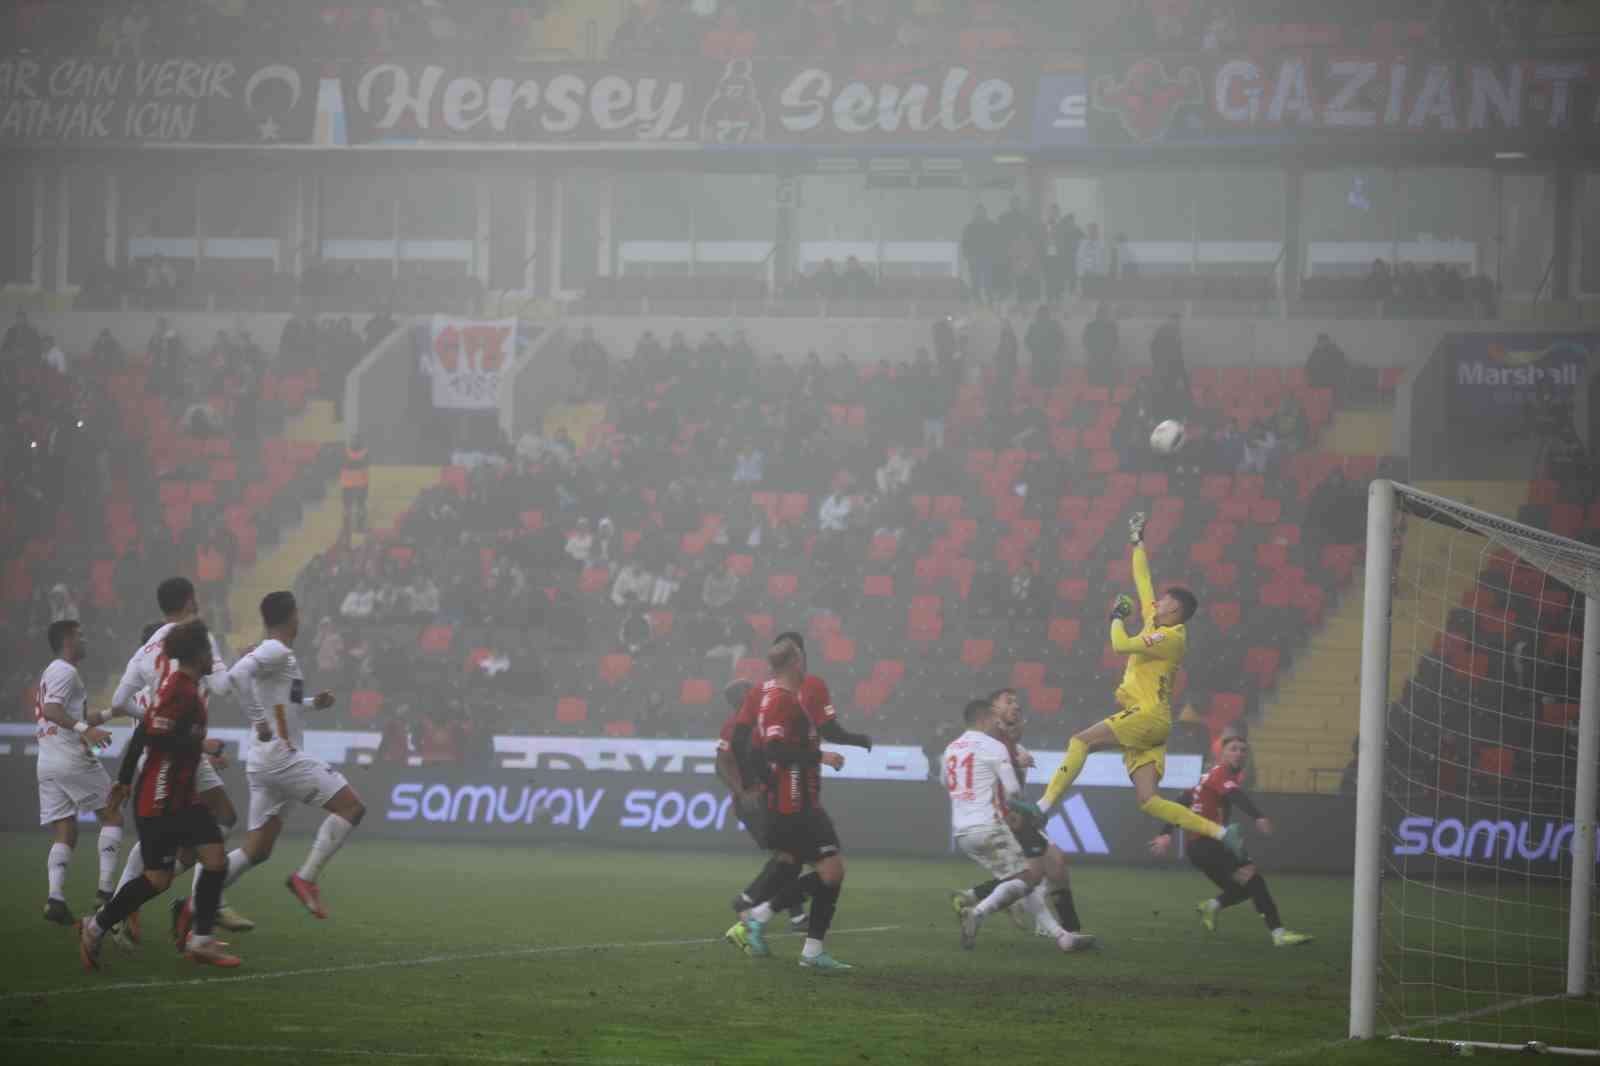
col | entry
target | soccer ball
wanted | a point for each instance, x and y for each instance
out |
(1167, 438)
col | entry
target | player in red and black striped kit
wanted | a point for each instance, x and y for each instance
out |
(739, 755)
(798, 830)
(1214, 798)
(170, 813)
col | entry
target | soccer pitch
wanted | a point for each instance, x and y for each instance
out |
(466, 953)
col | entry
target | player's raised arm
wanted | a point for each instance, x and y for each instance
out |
(1142, 583)
(123, 700)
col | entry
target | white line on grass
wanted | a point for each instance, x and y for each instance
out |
(332, 1052)
(426, 960)
(1404, 1030)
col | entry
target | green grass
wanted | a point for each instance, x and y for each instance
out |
(476, 954)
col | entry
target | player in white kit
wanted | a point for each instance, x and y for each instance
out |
(143, 676)
(269, 683)
(71, 779)
(983, 787)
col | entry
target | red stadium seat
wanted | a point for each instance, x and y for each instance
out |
(947, 507)
(869, 695)
(889, 672)
(365, 703)
(1073, 590)
(793, 507)
(1225, 615)
(976, 653)
(615, 667)
(762, 624)
(839, 649)
(572, 709)
(1064, 632)
(884, 547)
(1044, 700)
(878, 586)
(594, 579)
(925, 629)
(532, 520)
(695, 692)
(1272, 556)
(741, 565)
(1027, 674)
(660, 623)
(1263, 663)
(619, 729)
(436, 639)
(781, 587)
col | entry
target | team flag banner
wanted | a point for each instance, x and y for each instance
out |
(464, 359)
(93, 100)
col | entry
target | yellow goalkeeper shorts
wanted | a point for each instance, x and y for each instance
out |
(1142, 734)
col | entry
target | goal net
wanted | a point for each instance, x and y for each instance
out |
(1475, 894)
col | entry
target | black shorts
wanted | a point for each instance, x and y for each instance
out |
(807, 835)
(756, 819)
(160, 838)
(1031, 837)
(1214, 860)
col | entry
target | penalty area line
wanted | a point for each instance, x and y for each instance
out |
(328, 1052)
(396, 964)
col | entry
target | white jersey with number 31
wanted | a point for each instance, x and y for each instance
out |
(980, 778)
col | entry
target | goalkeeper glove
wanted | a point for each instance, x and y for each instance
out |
(1122, 608)
(1026, 809)
(1136, 528)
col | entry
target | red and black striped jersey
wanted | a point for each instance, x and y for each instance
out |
(793, 751)
(175, 732)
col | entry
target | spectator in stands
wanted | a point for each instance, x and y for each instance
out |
(719, 588)
(1327, 367)
(1025, 260)
(824, 282)
(980, 248)
(1007, 361)
(328, 646)
(895, 474)
(1063, 236)
(54, 357)
(589, 366)
(1046, 344)
(107, 354)
(1091, 258)
(1335, 513)
(632, 586)
(1380, 281)
(946, 349)
(22, 341)
(750, 465)
(634, 634)
(833, 516)
(1260, 449)
(580, 542)
(1100, 346)
(856, 283)
(1352, 771)
(361, 602)
(1290, 423)
(1170, 395)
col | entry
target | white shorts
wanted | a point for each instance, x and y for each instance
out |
(206, 777)
(67, 793)
(300, 780)
(995, 848)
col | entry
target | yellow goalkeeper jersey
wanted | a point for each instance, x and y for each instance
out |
(1154, 654)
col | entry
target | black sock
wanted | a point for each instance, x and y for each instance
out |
(759, 884)
(794, 894)
(773, 883)
(823, 905)
(207, 894)
(982, 891)
(134, 894)
(1065, 910)
(1264, 901)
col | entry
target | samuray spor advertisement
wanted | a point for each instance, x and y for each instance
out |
(664, 793)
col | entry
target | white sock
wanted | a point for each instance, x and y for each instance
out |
(56, 867)
(133, 868)
(238, 863)
(110, 847)
(1002, 897)
(761, 913)
(93, 924)
(812, 949)
(197, 941)
(1211, 904)
(1277, 934)
(1038, 909)
(330, 838)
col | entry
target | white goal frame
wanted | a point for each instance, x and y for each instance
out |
(1366, 945)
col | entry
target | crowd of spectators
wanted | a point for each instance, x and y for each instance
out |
(548, 554)
(1402, 288)
(725, 29)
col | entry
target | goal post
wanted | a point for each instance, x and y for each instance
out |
(1478, 756)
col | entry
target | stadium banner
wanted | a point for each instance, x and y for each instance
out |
(1461, 838)
(1332, 97)
(888, 102)
(464, 359)
(1480, 392)
(94, 100)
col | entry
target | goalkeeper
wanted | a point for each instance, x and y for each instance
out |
(1141, 726)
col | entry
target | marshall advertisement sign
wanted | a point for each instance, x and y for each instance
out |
(98, 101)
